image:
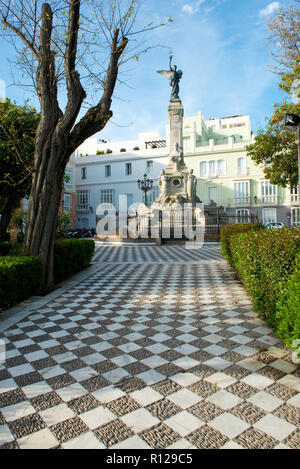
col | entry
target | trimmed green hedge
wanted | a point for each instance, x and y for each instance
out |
(288, 308)
(5, 248)
(264, 259)
(20, 275)
(71, 256)
(229, 230)
(19, 279)
(268, 263)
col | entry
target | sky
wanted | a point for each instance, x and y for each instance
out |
(220, 45)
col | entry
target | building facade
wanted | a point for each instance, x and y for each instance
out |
(214, 149)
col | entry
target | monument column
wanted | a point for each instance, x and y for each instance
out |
(175, 112)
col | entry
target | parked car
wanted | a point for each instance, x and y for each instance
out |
(275, 225)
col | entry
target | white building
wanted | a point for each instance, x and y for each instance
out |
(214, 149)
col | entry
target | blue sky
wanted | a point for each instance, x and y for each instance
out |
(220, 45)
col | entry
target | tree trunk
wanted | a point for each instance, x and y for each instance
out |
(44, 204)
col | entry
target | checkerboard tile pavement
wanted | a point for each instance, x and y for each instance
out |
(149, 355)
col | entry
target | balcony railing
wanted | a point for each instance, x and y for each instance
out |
(82, 207)
(242, 200)
(269, 199)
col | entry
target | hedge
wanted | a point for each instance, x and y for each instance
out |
(229, 230)
(5, 248)
(71, 256)
(20, 275)
(19, 279)
(264, 260)
(288, 308)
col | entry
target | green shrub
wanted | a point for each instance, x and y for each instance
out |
(122, 150)
(19, 278)
(264, 259)
(287, 316)
(71, 256)
(136, 148)
(229, 230)
(5, 248)
(108, 151)
(100, 152)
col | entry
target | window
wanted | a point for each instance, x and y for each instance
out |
(186, 144)
(128, 169)
(239, 124)
(295, 216)
(69, 177)
(83, 199)
(67, 203)
(212, 168)
(242, 215)
(83, 173)
(107, 171)
(107, 196)
(221, 167)
(203, 169)
(212, 193)
(241, 166)
(241, 192)
(269, 215)
(294, 194)
(149, 167)
(268, 192)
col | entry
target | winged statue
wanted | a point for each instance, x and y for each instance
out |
(174, 76)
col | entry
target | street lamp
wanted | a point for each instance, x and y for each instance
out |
(293, 120)
(145, 185)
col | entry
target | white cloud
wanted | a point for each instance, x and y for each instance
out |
(269, 9)
(192, 8)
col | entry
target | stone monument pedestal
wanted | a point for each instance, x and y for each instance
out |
(177, 183)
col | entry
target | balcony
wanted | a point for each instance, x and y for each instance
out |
(83, 208)
(242, 200)
(269, 199)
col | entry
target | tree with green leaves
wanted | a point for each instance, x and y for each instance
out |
(18, 126)
(77, 46)
(275, 147)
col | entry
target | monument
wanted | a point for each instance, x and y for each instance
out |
(177, 183)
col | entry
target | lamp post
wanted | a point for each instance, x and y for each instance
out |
(293, 120)
(145, 185)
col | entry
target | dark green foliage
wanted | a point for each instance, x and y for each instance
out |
(229, 230)
(71, 256)
(122, 150)
(264, 260)
(108, 151)
(5, 248)
(288, 308)
(19, 279)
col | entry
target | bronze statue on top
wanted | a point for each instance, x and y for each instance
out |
(174, 77)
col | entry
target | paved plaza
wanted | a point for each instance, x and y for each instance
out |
(157, 347)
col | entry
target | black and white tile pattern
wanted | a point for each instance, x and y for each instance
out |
(156, 349)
